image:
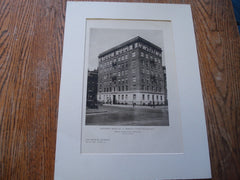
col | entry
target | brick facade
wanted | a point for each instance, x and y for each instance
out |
(132, 73)
(92, 89)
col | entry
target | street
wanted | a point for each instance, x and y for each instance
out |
(123, 115)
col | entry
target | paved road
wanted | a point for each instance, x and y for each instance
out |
(128, 116)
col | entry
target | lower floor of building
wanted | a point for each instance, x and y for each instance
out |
(134, 98)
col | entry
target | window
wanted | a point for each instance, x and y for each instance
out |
(143, 97)
(136, 45)
(130, 47)
(119, 89)
(122, 97)
(126, 88)
(134, 96)
(126, 56)
(134, 79)
(133, 54)
(126, 96)
(142, 54)
(161, 97)
(148, 97)
(140, 45)
(142, 87)
(133, 70)
(122, 88)
(133, 63)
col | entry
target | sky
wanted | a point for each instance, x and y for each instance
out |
(104, 39)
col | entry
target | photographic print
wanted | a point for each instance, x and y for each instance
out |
(129, 84)
(126, 84)
(130, 95)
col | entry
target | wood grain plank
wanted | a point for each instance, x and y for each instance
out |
(218, 47)
(30, 88)
(13, 154)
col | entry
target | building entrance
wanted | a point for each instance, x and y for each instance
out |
(114, 99)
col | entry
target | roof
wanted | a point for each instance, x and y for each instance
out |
(133, 40)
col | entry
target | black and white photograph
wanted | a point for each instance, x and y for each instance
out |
(130, 88)
(126, 79)
(130, 95)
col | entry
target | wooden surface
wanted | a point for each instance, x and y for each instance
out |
(31, 44)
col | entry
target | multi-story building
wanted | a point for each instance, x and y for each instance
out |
(132, 73)
(165, 84)
(92, 85)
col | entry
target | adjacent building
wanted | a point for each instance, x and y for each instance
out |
(92, 85)
(132, 73)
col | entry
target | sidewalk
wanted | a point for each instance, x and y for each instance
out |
(136, 106)
(114, 108)
(94, 111)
